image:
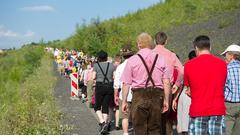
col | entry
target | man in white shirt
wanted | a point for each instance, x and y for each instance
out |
(126, 53)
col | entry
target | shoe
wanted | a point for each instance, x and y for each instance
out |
(130, 130)
(109, 127)
(104, 129)
(117, 128)
(83, 100)
(101, 126)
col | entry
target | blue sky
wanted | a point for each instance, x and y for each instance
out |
(26, 21)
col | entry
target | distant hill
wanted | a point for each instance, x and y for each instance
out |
(183, 20)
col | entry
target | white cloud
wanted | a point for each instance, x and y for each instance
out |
(29, 34)
(4, 32)
(7, 33)
(45, 8)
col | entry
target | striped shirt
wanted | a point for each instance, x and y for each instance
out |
(232, 86)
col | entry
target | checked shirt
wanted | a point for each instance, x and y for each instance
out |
(232, 86)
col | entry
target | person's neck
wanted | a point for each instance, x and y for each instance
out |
(144, 48)
(161, 45)
(203, 52)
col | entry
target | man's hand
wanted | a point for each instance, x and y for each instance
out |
(116, 97)
(174, 89)
(188, 92)
(165, 106)
(124, 107)
(124, 98)
(174, 104)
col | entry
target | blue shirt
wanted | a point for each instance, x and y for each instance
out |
(232, 86)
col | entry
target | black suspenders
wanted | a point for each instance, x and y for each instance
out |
(149, 72)
(105, 75)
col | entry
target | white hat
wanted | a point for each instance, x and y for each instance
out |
(232, 48)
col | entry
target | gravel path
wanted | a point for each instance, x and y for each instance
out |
(77, 118)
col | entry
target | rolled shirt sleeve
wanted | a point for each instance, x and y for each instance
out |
(117, 76)
(126, 76)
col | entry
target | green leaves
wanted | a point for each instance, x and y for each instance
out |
(111, 34)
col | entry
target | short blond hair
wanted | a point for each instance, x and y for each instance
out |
(144, 40)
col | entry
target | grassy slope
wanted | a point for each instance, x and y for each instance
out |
(179, 19)
(112, 34)
(223, 29)
(28, 106)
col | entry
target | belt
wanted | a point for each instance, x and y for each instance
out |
(146, 89)
(104, 83)
(231, 102)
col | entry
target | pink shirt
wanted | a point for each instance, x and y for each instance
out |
(135, 73)
(172, 61)
(89, 74)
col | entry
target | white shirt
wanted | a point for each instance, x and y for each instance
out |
(56, 53)
(118, 83)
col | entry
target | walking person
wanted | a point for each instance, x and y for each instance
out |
(232, 89)
(126, 53)
(147, 74)
(181, 104)
(173, 63)
(83, 81)
(205, 78)
(89, 81)
(103, 74)
(117, 62)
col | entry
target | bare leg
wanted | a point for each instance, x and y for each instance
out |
(125, 125)
(100, 116)
(117, 118)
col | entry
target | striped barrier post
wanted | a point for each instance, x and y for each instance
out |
(74, 85)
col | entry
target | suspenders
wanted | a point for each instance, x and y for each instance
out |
(149, 72)
(105, 75)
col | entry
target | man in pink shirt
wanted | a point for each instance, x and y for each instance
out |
(170, 58)
(174, 64)
(149, 77)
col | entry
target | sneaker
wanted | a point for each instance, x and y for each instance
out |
(83, 100)
(104, 129)
(101, 126)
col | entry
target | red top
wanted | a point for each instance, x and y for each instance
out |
(206, 76)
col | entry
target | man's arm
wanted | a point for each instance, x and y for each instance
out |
(167, 91)
(174, 102)
(94, 75)
(125, 90)
(116, 86)
(178, 65)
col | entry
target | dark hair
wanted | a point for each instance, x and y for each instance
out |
(117, 58)
(202, 42)
(127, 56)
(161, 38)
(126, 51)
(191, 55)
(102, 56)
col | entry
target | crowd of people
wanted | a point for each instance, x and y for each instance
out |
(152, 92)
